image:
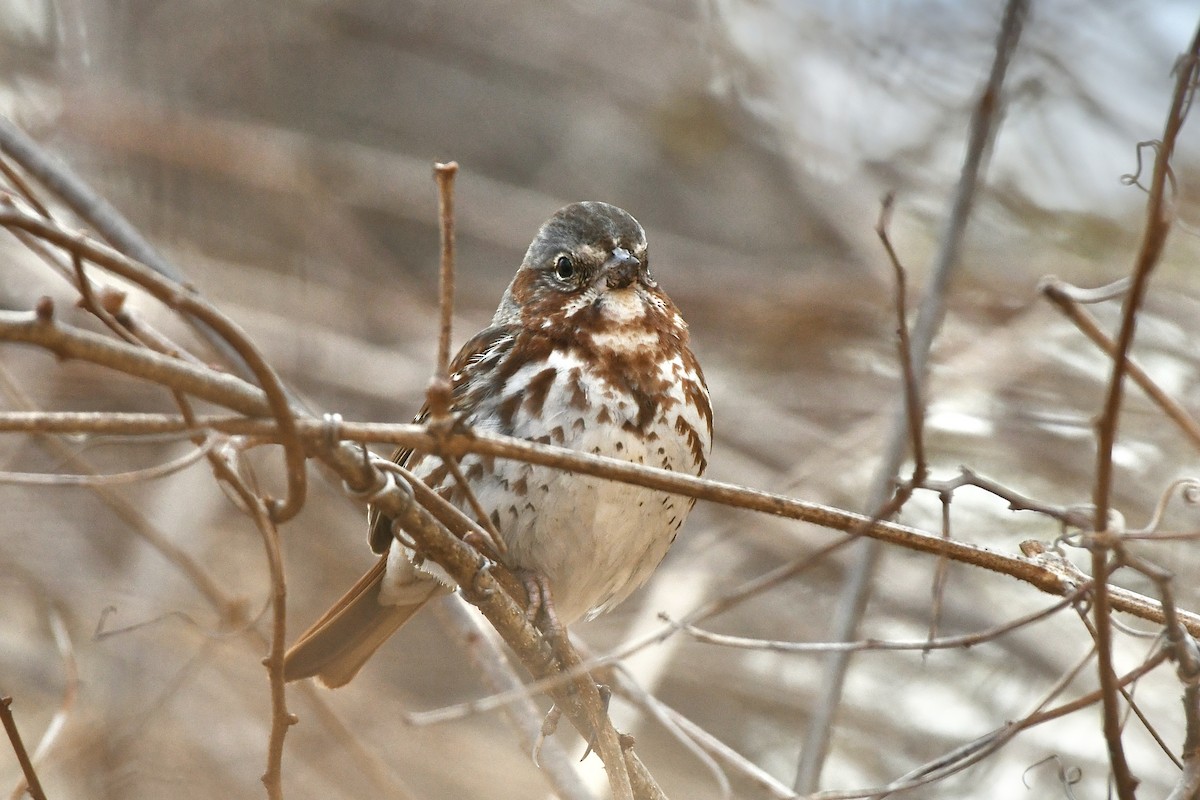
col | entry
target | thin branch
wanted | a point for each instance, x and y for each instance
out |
(715, 606)
(281, 718)
(974, 751)
(92, 304)
(111, 478)
(227, 608)
(1016, 501)
(993, 741)
(62, 339)
(1159, 215)
(22, 186)
(190, 304)
(14, 737)
(913, 405)
(1127, 694)
(1183, 647)
(1041, 570)
(479, 643)
(62, 640)
(493, 537)
(103, 218)
(477, 581)
(651, 705)
(67, 341)
(985, 122)
(1187, 488)
(943, 643)
(445, 174)
(469, 530)
(439, 394)
(941, 573)
(1056, 291)
(82, 199)
(711, 744)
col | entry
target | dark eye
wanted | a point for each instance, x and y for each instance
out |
(564, 268)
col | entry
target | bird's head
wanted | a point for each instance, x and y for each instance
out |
(587, 271)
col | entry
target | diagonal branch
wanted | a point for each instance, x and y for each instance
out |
(14, 736)
(190, 305)
(1061, 294)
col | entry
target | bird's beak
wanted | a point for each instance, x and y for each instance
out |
(621, 269)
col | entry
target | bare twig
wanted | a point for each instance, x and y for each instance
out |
(941, 573)
(855, 593)
(974, 751)
(1159, 215)
(112, 478)
(189, 303)
(1187, 489)
(14, 737)
(1183, 648)
(492, 537)
(608, 744)
(1127, 693)
(913, 407)
(523, 716)
(62, 640)
(943, 643)
(1045, 575)
(717, 605)
(579, 699)
(445, 174)
(469, 530)
(649, 704)
(714, 746)
(994, 740)
(102, 217)
(438, 395)
(1016, 501)
(82, 199)
(135, 521)
(1056, 290)
(281, 718)
(22, 186)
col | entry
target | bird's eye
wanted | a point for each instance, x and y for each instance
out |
(564, 268)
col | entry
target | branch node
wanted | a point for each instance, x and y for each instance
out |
(45, 308)
(439, 396)
(333, 429)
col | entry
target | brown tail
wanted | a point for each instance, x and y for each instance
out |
(340, 642)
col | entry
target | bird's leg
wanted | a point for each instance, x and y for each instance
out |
(549, 726)
(541, 613)
(540, 609)
(605, 698)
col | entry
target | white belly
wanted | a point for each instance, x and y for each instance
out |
(594, 540)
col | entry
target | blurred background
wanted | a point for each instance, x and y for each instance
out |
(280, 154)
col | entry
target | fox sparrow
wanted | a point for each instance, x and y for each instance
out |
(586, 352)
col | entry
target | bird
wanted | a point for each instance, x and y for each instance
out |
(587, 352)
